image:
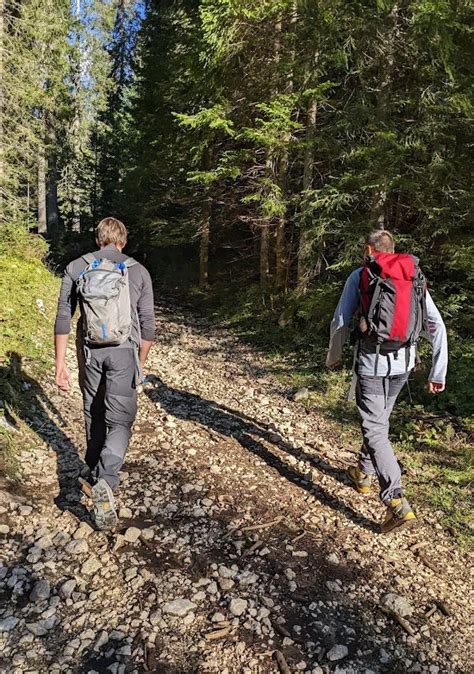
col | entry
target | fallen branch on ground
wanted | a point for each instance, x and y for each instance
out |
(265, 525)
(401, 621)
(282, 664)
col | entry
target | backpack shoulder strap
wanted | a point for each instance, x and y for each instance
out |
(130, 262)
(89, 258)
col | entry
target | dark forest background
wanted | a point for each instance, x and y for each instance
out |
(249, 146)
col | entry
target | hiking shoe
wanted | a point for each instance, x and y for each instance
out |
(105, 515)
(399, 513)
(360, 480)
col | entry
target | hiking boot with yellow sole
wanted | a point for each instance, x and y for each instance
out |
(360, 480)
(105, 514)
(399, 514)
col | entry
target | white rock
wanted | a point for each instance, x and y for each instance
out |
(337, 652)
(4, 529)
(25, 510)
(226, 583)
(77, 547)
(333, 586)
(101, 640)
(179, 607)
(218, 617)
(397, 603)
(290, 574)
(90, 566)
(238, 606)
(44, 542)
(147, 534)
(132, 534)
(84, 530)
(67, 588)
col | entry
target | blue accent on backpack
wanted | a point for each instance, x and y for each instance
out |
(104, 331)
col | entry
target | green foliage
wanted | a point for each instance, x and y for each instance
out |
(28, 296)
(16, 240)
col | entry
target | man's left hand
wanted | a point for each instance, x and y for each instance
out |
(435, 387)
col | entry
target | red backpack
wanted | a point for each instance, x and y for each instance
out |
(392, 302)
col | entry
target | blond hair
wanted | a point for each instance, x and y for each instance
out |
(381, 240)
(110, 230)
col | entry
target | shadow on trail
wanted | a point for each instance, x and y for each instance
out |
(251, 435)
(26, 398)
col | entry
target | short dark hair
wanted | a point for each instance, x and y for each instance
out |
(381, 240)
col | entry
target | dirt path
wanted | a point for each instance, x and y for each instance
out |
(239, 537)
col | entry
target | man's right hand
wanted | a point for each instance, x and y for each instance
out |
(63, 377)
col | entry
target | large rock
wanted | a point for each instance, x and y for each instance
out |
(238, 606)
(77, 547)
(397, 603)
(8, 624)
(132, 534)
(41, 590)
(337, 652)
(179, 607)
(67, 588)
(90, 566)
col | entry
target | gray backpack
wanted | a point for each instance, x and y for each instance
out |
(104, 294)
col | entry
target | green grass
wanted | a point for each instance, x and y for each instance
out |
(28, 297)
(432, 436)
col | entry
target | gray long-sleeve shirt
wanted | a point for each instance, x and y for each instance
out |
(141, 293)
(394, 363)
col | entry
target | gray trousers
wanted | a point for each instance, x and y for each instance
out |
(375, 398)
(110, 407)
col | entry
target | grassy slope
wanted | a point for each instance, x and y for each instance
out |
(28, 296)
(433, 444)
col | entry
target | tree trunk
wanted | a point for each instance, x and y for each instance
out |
(52, 182)
(265, 234)
(205, 228)
(304, 246)
(204, 244)
(264, 256)
(75, 197)
(52, 198)
(42, 221)
(281, 253)
(379, 202)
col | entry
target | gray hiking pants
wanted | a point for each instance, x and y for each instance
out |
(375, 397)
(110, 407)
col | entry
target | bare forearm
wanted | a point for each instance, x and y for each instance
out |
(63, 376)
(145, 347)
(60, 347)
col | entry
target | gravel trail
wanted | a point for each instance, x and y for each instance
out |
(241, 547)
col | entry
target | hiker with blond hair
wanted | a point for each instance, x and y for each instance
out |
(115, 332)
(392, 307)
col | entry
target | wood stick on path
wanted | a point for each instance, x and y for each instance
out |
(401, 621)
(266, 525)
(218, 634)
(282, 664)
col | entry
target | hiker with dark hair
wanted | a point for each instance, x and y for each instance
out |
(115, 332)
(393, 308)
